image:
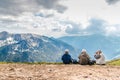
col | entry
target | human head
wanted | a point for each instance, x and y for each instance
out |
(100, 51)
(66, 51)
(98, 54)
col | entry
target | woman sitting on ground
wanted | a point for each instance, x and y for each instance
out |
(84, 58)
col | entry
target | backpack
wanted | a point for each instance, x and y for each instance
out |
(74, 61)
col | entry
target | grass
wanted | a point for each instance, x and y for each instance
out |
(115, 62)
(49, 63)
(32, 63)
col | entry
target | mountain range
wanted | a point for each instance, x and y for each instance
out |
(110, 45)
(38, 48)
(32, 48)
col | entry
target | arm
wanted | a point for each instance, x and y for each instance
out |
(88, 56)
(79, 56)
(71, 59)
(62, 57)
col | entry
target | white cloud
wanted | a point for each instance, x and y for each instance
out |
(113, 30)
(60, 18)
(57, 26)
(17, 7)
(110, 2)
(30, 23)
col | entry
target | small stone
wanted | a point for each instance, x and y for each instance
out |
(29, 78)
(85, 76)
(90, 73)
(108, 70)
(50, 69)
(11, 69)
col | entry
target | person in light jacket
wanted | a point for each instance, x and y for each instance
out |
(100, 58)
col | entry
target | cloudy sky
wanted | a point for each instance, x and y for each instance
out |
(61, 17)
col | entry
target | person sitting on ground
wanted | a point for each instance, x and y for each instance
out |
(66, 58)
(100, 58)
(84, 57)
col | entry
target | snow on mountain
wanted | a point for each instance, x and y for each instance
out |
(32, 48)
(8, 41)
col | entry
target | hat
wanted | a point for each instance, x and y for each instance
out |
(100, 51)
(66, 50)
(83, 50)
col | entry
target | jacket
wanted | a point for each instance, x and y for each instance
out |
(66, 58)
(84, 58)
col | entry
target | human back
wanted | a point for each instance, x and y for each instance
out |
(66, 58)
(84, 58)
(101, 59)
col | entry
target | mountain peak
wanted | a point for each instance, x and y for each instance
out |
(4, 32)
(31, 48)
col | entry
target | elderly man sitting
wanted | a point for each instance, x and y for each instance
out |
(66, 58)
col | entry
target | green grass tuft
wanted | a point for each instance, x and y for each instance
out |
(32, 63)
(115, 62)
(48, 63)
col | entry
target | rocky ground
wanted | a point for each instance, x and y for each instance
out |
(58, 72)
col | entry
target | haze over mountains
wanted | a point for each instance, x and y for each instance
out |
(32, 48)
(36, 48)
(109, 45)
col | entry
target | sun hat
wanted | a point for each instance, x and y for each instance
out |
(66, 50)
(83, 50)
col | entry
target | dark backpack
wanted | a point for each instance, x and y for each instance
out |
(74, 61)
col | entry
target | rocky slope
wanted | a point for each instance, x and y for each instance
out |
(32, 48)
(58, 72)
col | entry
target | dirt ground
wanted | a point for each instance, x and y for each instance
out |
(58, 72)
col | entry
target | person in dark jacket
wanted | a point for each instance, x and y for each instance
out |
(66, 58)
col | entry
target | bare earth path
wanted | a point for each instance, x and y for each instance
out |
(58, 72)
